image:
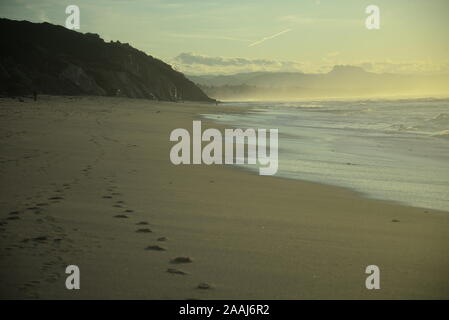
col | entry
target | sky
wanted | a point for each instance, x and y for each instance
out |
(229, 36)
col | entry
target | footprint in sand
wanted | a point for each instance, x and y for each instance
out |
(117, 206)
(129, 211)
(13, 218)
(40, 239)
(144, 230)
(36, 210)
(142, 223)
(162, 239)
(13, 213)
(155, 248)
(204, 286)
(107, 197)
(121, 216)
(56, 198)
(179, 260)
(176, 271)
(42, 204)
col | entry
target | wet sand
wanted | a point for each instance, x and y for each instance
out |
(87, 181)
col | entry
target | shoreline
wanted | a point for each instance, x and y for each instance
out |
(249, 236)
(361, 190)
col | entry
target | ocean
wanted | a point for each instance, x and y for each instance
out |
(395, 150)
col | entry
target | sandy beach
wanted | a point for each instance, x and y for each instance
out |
(87, 181)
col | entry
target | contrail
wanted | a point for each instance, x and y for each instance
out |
(269, 37)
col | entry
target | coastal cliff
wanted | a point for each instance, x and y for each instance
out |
(50, 59)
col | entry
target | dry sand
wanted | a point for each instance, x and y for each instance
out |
(71, 169)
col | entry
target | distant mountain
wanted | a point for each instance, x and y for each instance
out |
(340, 81)
(51, 59)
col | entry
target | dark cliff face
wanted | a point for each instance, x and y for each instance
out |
(51, 59)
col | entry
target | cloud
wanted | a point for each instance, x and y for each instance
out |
(191, 63)
(269, 37)
(191, 58)
(200, 64)
(404, 67)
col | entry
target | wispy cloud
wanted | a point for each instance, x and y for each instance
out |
(269, 37)
(405, 67)
(200, 64)
(191, 63)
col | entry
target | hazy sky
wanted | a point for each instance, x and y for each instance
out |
(200, 36)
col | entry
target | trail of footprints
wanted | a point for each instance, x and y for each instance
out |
(54, 241)
(47, 235)
(141, 228)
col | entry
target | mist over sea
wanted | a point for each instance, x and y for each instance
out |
(386, 149)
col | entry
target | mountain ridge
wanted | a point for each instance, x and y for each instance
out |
(342, 80)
